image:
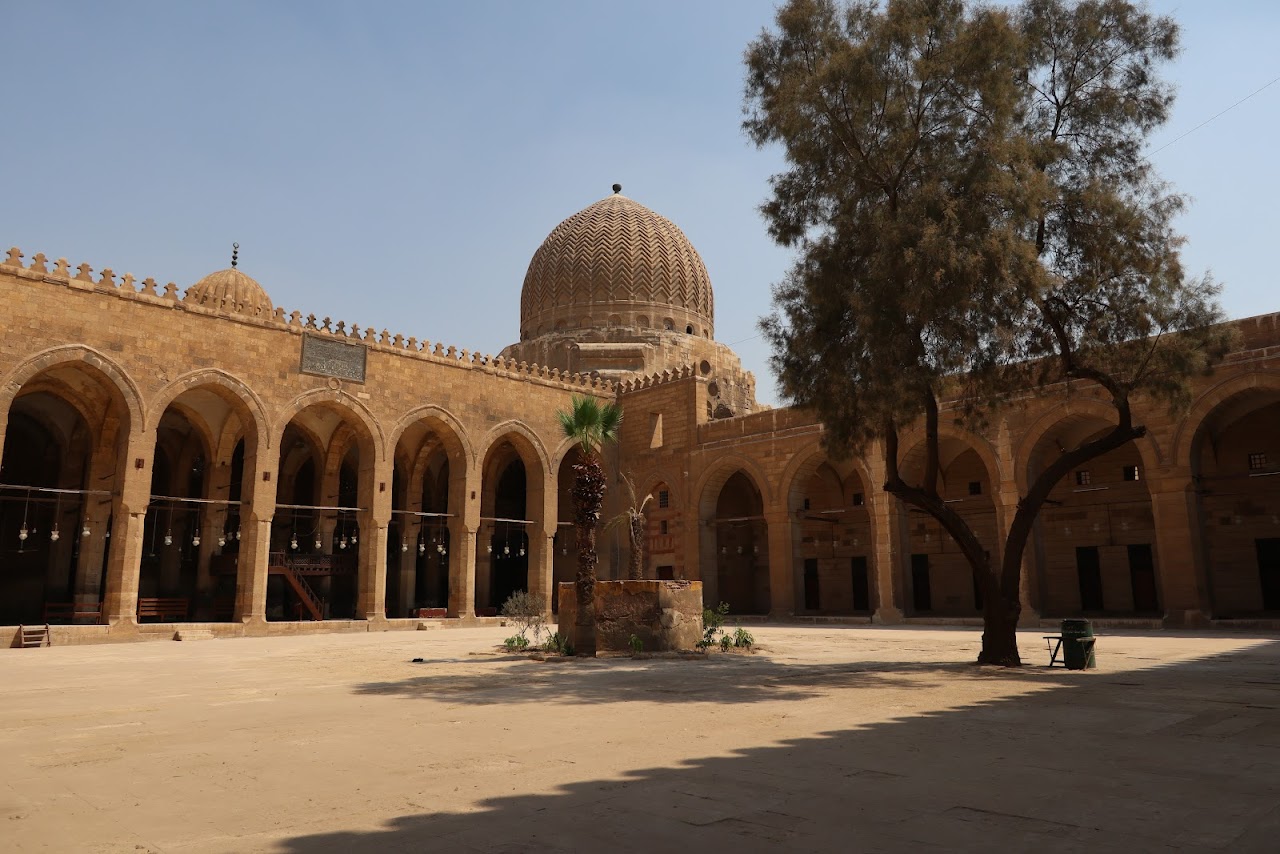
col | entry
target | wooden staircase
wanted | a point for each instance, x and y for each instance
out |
(30, 637)
(306, 595)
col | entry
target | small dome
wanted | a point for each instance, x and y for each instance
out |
(230, 290)
(616, 259)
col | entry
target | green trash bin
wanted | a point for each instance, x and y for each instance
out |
(1076, 655)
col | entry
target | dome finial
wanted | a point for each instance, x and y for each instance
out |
(617, 188)
(235, 254)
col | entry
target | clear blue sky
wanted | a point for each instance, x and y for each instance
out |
(397, 164)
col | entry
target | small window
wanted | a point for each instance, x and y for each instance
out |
(1131, 473)
(662, 526)
(857, 499)
(1257, 461)
(975, 487)
(806, 504)
(664, 499)
(688, 330)
(1083, 478)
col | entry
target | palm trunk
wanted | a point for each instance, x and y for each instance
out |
(584, 631)
(636, 569)
(588, 498)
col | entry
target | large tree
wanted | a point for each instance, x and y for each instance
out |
(974, 218)
(591, 425)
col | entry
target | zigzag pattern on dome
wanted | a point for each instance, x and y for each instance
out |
(232, 307)
(615, 251)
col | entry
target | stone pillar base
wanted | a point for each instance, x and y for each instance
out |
(887, 616)
(1029, 618)
(664, 615)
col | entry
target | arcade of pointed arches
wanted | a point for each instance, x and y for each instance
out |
(200, 507)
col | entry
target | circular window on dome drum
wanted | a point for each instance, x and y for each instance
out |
(704, 367)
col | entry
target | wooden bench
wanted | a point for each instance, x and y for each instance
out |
(72, 612)
(164, 610)
(1056, 648)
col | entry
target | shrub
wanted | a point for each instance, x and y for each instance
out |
(525, 611)
(743, 638)
(712, 621)
(516, 643)
(725, 643)
(636, 645)
(558, 644)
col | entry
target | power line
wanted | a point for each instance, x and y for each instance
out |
(1211, 118)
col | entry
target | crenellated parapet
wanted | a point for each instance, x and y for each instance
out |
(226, 305)
(656, 379)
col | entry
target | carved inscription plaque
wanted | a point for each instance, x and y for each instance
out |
(330, 358)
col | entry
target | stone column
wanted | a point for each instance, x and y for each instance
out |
(782, 599)
(542, 551)
(129, 513)
(97, 509)
(257, 507)
(887, 547)
(1179, 553)
(372, 599)
(462, 569)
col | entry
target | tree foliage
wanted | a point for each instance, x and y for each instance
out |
(973, 217)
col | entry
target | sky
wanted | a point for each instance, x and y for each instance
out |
(396, 165)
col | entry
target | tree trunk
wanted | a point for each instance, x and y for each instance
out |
(1001, 609)
(584, 634)
(636, 526)
(588, 497)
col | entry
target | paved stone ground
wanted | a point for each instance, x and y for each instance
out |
(828, 739)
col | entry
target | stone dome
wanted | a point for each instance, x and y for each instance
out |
(616, 263)
(230, 290)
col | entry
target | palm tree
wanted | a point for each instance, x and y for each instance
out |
(633, 517)
(591, 424)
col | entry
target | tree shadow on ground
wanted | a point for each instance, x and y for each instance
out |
(729, 679)
(1181, 756)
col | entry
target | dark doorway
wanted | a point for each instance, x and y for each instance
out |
(1142, 573)
(921, 599)
(812, 599)
(666, 573)
(861, 583)
(509, 566)
(1089, 569)
(1269, 570)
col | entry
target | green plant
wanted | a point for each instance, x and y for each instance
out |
(559, 644)
(525, 611)
(725, 643)
(743, 638)
(516, 643)
(636, 645)
(712, 621)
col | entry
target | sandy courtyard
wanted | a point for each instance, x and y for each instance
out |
(828, 739)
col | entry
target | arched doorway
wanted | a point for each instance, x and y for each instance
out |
(1094, 542)
(1236, 464)
(324, 493)
(742, 546)
(833, 555)
(59, 469)
(939, 580)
